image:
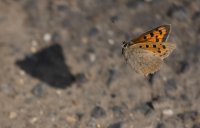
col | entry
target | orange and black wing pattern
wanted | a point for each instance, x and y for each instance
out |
(158, 34)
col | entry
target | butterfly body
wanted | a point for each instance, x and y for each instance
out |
(145, 54)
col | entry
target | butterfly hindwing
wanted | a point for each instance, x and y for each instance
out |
(143, 61)
(158, 34)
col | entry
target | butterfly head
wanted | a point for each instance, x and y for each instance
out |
(124, 46)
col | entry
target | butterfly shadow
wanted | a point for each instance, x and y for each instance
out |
(48, 65)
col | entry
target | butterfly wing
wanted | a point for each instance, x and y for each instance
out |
(143, 61)
(145, 53)
(161, 50)
(158, 34)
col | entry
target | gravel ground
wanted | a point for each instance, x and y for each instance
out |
(61, 65)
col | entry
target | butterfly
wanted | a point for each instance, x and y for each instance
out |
(145, 54)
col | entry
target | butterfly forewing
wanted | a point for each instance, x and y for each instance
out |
(158, 34)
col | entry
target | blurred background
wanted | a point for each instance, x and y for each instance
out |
(62, 67)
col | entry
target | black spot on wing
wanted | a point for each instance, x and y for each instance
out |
(151, 34)
(164, 46)
(160, 31)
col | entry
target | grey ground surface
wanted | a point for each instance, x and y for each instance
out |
(61, 65)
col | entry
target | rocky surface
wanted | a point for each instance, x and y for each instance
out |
(61, 65)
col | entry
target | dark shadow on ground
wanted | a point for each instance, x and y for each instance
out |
(49, 66)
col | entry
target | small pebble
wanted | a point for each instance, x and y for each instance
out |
(84, 40)
(59, 92)
(114, 19)
(145, 108)
(22, 73)
(113, 95)
(182, 66)
(56, 37)
(163, 103)
(133, 4)
(196, 125)
(7, 89)
(99, 126)
(98, 112)
(168, 112)
(188, 115)
(81, 78)
(53, 119)
(21, 81)
(33, 120)
(115, 125)
(93, 31)
(47, 37)
(117, 110)
(113, 74)
(34, 43)
(33, 50)
(111, 41)
(38, 90)
(71, 119)
(79, 115)
(92, 123)
(170, 85)
(160, 125)
(92, 57)
(62, 7)
(12, 115)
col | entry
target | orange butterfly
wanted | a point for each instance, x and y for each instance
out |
(145, 54)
